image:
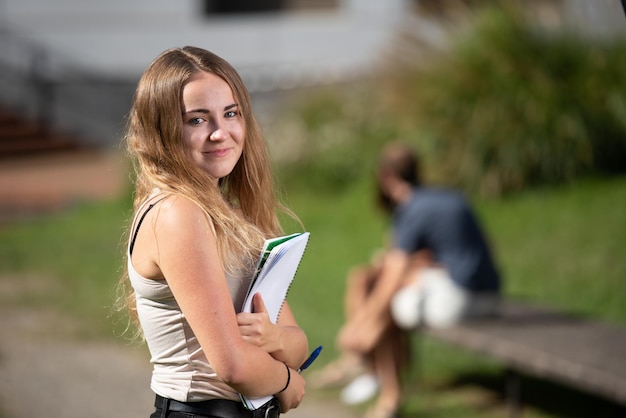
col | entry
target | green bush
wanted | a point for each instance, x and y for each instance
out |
(511, 106)
(505, 107)
(330, 139)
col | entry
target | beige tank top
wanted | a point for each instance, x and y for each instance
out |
(181, 371)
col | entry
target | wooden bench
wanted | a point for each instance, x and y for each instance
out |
(586, 354)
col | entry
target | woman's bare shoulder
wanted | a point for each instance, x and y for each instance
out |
(180, 213)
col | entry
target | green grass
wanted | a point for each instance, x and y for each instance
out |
(560, 246)
(75, 256)
(564, 246)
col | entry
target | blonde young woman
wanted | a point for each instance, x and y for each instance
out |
(204, 203)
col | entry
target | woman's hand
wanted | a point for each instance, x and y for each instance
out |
(284, 341)
(257, 329)
(291, 397)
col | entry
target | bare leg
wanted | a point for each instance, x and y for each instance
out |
(359, 283)
(391, 359)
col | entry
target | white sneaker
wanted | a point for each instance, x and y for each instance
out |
(360, 390)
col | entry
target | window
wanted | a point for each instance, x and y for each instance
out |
(213, 7)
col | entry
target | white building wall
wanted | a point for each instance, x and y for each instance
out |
(121, 37)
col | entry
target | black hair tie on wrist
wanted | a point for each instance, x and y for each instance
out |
(288, 380)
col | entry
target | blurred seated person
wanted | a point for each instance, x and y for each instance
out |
(438, 270)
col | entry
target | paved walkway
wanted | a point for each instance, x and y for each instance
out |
(43, 183)
(41, 371)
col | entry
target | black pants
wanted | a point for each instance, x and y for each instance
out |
(171, 414)
(217, 408)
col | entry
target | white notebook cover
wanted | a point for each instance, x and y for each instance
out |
(275, 274)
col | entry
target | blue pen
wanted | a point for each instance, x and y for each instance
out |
(311, 359)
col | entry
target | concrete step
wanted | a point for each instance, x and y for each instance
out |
(22, 137)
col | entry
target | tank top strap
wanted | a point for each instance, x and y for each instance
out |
(143, 215)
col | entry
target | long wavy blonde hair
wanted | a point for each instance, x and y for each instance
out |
(243, 211)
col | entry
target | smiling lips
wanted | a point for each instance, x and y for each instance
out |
(218, 152)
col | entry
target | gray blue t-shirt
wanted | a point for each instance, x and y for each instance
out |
(442, 221)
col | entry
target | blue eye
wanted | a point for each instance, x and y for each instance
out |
(231, 114)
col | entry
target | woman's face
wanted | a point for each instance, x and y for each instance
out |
(213, 128)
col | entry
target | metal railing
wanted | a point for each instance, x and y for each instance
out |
(50, 90)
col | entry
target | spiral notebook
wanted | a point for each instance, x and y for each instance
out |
(275, 272)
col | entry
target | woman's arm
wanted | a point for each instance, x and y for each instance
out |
(185, 252)
(285, 340)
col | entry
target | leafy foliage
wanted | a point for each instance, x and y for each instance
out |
(511, 106)
(504, 107)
